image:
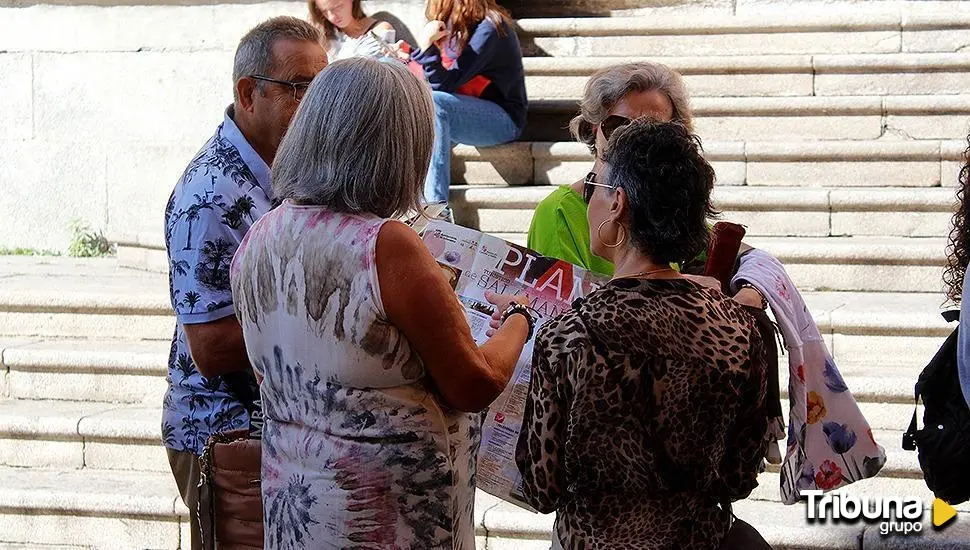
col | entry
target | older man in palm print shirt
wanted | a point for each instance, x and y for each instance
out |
(223, 191)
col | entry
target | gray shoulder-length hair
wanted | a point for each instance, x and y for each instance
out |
(607, 86)
(360, 141)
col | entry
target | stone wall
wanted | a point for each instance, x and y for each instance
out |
(102, 106)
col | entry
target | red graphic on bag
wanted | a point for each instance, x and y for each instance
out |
(499, 417)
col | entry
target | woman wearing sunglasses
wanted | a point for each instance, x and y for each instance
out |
(646, 412)
(613, 97)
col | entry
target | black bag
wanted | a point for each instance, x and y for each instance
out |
(944, 441)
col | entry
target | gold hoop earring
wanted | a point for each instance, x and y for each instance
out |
(599, 233)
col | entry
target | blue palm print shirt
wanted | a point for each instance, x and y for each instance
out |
(223, 191)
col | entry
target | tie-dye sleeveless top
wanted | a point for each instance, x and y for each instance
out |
(358, 450)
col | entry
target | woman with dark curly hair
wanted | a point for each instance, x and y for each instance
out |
(646, 411)
(958, 256)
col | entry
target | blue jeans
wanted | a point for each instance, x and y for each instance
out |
(462, 119)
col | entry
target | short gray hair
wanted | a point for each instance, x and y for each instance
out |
(254, 54)
(360, 141)
(607, 86)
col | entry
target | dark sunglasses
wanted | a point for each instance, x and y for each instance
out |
(589, 186)
(611, 123)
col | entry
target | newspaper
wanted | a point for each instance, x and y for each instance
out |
(473, 263)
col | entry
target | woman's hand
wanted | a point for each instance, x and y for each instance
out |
(432, 32)
(501, 303)
(402, 50)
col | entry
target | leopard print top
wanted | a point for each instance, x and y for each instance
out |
(645, 417)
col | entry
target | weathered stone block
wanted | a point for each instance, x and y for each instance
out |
(750, 43)
(793, 128)
(86, 325)
(928, 126)
(754, 84)
(47, 184)
(902, 224)
(41, 453)
(950, 173)
(16, 96)
(140, 178)
(900, 82)
(865, 278)
(936, 40)
(496, 220)
(52, 527)
(886, 350)
(80, 386)
(780, 224)
(711, 85)
(142, 258)
(564, 171)
(845, 173)
(137, 96)
(510, 164)
(126, 455)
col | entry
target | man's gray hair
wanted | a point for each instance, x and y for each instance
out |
(607, 86)
(360, 141)
(254, 55)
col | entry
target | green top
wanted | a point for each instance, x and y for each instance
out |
(565, 211)
(560, 229)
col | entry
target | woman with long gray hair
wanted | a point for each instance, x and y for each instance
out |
(369, 375)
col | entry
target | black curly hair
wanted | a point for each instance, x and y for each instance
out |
(668, 185)
(958, 250)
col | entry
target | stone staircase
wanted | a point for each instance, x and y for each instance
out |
(836, 138)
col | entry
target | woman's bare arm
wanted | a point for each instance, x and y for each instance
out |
(423, 306)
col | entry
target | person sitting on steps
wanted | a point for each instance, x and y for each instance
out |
(349, 32)
(473, 61)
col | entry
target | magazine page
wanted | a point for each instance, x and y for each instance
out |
(473, 263)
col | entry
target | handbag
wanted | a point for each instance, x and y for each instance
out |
(230, 496)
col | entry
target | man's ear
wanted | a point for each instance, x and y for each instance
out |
(246, 88)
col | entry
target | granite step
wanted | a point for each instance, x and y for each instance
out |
(784, 527)
(109, 371)
(852, 264)
(765, 211)
(808, 118)
(91, 508)
(84, 435)
(73, 435)
(745, 34)
(771, 75)
(92, 298)
(84, 508)
(138, 301)
(820, 163)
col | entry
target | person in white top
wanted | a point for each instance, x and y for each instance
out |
(349, 32)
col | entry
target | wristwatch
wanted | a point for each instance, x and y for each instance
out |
(745, 284)
(516, 308)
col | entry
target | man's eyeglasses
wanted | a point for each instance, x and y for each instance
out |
(589, 186)
(298, 88)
